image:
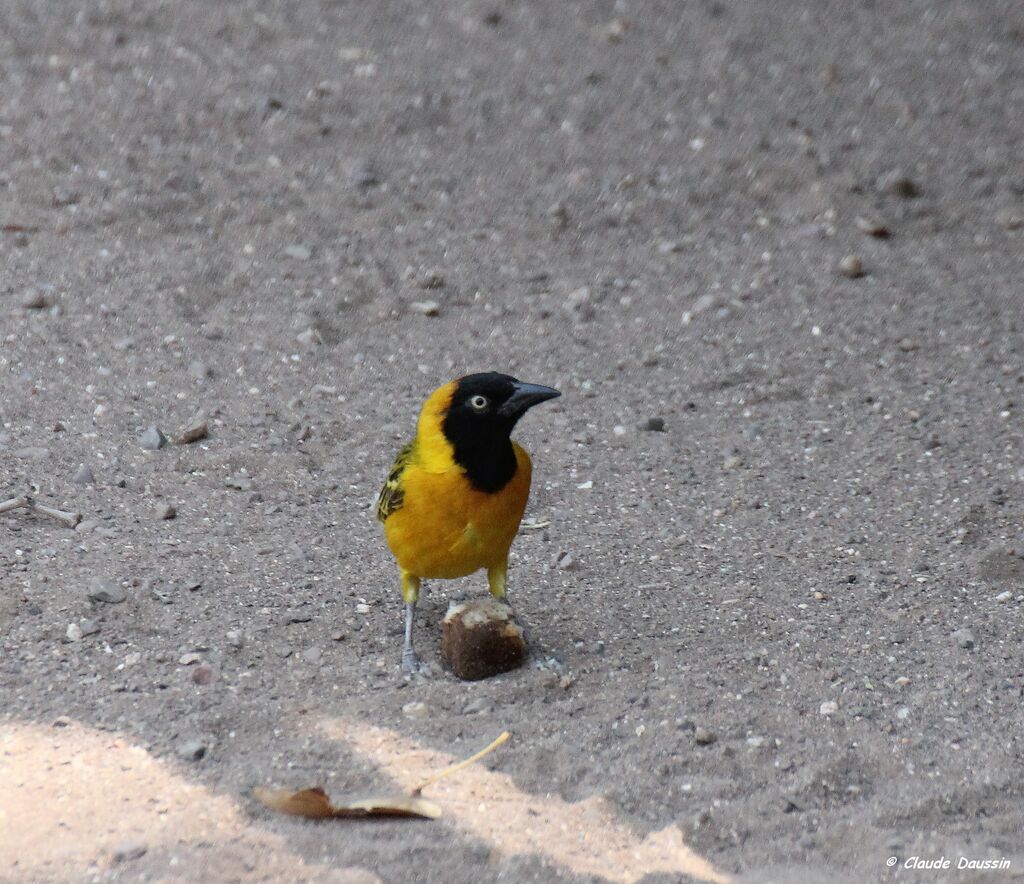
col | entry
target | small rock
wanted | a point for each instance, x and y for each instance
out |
(415, 709)
(829, 707)
(83, 475)
(432, 279)
(872, 227)
(191, 750)
(203, 675)
(73, 633)
(312, 655)
(481, 638)
(101, 590)
(363, 174)
(153, 439)
(426, 308)
(479, 706)
(851, 266)
(898, 184)
(566, 562)
(298, 252)
(195, 430)
(655, 425)
(127, 852)
(33, 299)
(703, 737)
(965, 638)
(166, 511)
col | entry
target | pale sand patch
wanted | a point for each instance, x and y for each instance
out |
(583, 837)
(71, 796)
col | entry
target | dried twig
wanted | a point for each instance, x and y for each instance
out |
(69, 519)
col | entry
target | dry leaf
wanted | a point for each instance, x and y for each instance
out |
(313, 804)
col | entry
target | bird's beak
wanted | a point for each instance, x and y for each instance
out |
(525, 396)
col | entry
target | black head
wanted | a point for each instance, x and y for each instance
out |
(484, 409)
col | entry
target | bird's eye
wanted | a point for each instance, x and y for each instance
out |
(478, 403)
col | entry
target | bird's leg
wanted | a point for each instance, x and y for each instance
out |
(497, 581)
(410, 593)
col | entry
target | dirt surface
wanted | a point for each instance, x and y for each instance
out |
(778, 639)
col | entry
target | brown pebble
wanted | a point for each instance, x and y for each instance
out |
(481, 638)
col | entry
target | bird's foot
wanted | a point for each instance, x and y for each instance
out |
(413, 665)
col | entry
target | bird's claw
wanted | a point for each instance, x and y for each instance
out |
(413, 665)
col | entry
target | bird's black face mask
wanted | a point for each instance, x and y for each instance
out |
(484, 409)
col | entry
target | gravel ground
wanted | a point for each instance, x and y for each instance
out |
(771, 252)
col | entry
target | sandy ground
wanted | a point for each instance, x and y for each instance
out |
(778, 640)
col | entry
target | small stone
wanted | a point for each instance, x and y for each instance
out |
(83, 475)
(872, 226)
(153, 439)
(298, 252)
(965, 638)
(166, 511)
(195, 430)
(101, 590)
(481, 638)
(203, 675)
(829, 707)
(191, 750)
(479, 706)
(1004, 596)
(33, 299)
(851, 266)
(73, 633)
(127, 852)
(426, 308)
(703, 737)
(655, 425)
(312, 655)
(566, 562)
(415, 709)
(363, 174)
(235, 638)
(432, 279)
(898, 184)
(199, 370)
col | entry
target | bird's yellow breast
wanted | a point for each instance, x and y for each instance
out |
(445, 527)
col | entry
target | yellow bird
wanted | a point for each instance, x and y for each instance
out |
(454, 498)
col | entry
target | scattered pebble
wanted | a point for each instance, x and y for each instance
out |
(898, 184)
(153, 439)
(191, 750)
(851, 266)
(655, 425)
(83, 475)
(426, 308)
(415, 709)
(872, 226)
(704, 737)
(101, 590)
(33, 299)
(965, 638)
(197, 429)
(829, 707)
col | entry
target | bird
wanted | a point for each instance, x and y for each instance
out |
(455, 495)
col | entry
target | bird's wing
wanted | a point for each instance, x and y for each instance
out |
(393, 494)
